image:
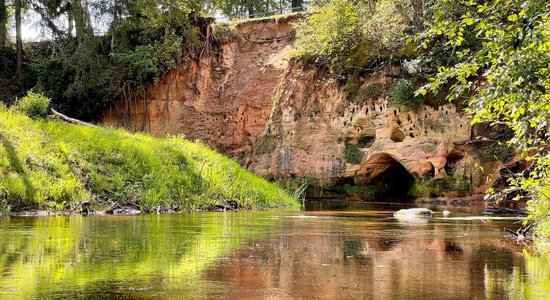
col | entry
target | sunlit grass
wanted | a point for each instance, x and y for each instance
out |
(54, 165)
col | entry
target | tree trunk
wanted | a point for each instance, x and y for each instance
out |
(297, 5)
(70, 21)
(18, 39)
(82, 21)
(3, 21)
(251, 11)
(114, 24)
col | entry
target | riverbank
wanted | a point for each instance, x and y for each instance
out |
(55, 166)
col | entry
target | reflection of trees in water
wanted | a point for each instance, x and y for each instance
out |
(509, 275)
(373, 261)
(132, 257)
(387, 244)
(453, 248)
(356, 251)
(120, 256)
(497, 258)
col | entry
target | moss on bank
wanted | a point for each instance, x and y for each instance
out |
(55, 166)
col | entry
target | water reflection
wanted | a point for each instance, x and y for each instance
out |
(363, 258)
(112, 257)
(345, 254)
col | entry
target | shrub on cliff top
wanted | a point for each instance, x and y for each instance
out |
(403, 95)
(347, 35)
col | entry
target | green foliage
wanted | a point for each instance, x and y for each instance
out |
(498, 150)
(353, 155)
(34, 105)
(82, 80)
(295, 187)
(239, 9)
(372, 91)
(346, 35)
(437, 188)
(367, 192)
(352, 88)
(223, 32)
(358, 93)
(7, 60)
(403, 95)
(507, 74)
(329, 33)
(83, 74)
(55, 165)
(436, 50)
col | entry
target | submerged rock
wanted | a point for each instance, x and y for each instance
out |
(413, 213)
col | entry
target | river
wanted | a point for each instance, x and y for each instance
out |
(351, 251)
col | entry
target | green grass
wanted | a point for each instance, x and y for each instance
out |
(234, 23)
(437, 188)
(55, 166)
(353, 155)
(367, 193)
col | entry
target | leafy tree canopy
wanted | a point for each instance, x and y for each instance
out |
(507, 72)
(347, 35)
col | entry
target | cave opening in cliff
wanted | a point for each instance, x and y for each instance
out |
(390, 178)
(394, 183)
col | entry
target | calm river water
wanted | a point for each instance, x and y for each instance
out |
(330, 252)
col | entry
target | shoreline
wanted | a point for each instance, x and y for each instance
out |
(128, 210)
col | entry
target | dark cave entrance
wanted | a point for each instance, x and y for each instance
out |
(380, 179)
(389, 178)
(394, 183)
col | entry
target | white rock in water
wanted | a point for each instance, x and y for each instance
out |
(413, 213)
(446, 213)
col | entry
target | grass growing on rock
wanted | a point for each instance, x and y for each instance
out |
(437, 188)
(55, 166)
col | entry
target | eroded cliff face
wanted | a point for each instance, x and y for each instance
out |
(224, 98)
(314, 122)
(244, 98)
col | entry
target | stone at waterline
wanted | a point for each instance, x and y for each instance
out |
(413, 213)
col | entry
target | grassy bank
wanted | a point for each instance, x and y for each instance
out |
(56, 166)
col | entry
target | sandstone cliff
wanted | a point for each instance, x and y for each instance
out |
(280, 118)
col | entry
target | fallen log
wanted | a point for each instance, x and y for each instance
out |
(504, 211)
(71, 120)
